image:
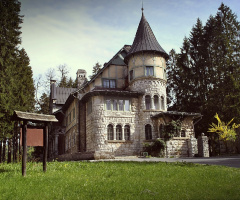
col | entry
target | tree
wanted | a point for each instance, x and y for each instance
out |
(44, 104)
(63, 70)
(224, 130)
(96, 68)
(16, 83)
(206, 75)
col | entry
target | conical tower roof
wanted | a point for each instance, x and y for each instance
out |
(145, 40)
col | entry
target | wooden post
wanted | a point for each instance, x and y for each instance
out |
(24, 144)
(45, 147)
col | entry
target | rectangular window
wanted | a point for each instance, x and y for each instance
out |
(120, 104)
(105, 83)
(149, 71)
(115, 103)
(127, 105)
(112, 83)
(109, 83)
(108, 104)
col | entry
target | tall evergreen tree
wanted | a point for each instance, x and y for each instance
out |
(44, 104)
(16, 83)
(207, 69)
(96, 68)
(10, 21)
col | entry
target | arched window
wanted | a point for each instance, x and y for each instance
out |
(156, 102)
(110, 132)
(148, 102)
(148, 132)
(162, 103)
(118, 132)
(127, 132)
(183, 133)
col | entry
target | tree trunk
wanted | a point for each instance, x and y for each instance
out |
(9, 151)
(14, 147)
(15, 142)
(4, 150)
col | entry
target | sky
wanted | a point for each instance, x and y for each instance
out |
(80, 33)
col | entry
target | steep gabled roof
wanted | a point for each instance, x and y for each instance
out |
(145, 40)
(117, 59)
(62, 94)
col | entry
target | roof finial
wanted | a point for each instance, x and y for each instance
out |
(142, 6)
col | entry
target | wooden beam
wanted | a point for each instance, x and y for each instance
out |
(24, 144)
(45, 147)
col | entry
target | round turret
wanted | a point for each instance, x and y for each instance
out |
(146, 62)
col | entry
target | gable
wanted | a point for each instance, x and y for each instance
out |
(115, 69)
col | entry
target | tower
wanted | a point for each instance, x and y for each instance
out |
(146, 62)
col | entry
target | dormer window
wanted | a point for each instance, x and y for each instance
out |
(149, 71)
(109, 83)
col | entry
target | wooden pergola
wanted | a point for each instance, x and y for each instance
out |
(35, 118)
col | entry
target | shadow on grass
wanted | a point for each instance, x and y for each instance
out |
(5, 170)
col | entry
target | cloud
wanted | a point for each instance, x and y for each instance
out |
(70, 35)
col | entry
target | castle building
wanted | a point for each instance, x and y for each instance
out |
(122, 107)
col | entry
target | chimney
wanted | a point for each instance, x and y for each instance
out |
(81, 77)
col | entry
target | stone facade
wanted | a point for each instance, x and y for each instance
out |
(124, 105)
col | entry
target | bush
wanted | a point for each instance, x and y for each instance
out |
(155, 148)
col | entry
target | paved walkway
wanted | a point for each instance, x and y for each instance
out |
(230, 161)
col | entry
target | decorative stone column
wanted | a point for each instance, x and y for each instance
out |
(203, 146)
(192, 147)
(152, 103)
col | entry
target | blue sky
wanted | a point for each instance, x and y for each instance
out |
(80, 33)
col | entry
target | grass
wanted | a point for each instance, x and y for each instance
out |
(119, 180)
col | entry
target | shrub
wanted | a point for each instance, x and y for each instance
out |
(155, 148)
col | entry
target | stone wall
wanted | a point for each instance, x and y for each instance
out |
(176, 148)
(181, 147)
(82, 128)
(96, 130)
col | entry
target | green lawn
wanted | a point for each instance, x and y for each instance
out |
(119, 180)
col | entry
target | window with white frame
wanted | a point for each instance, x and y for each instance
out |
(120, 105)
(108, 104)
(116, 104)
(149, 71)
(127, 105)
(109, 83)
